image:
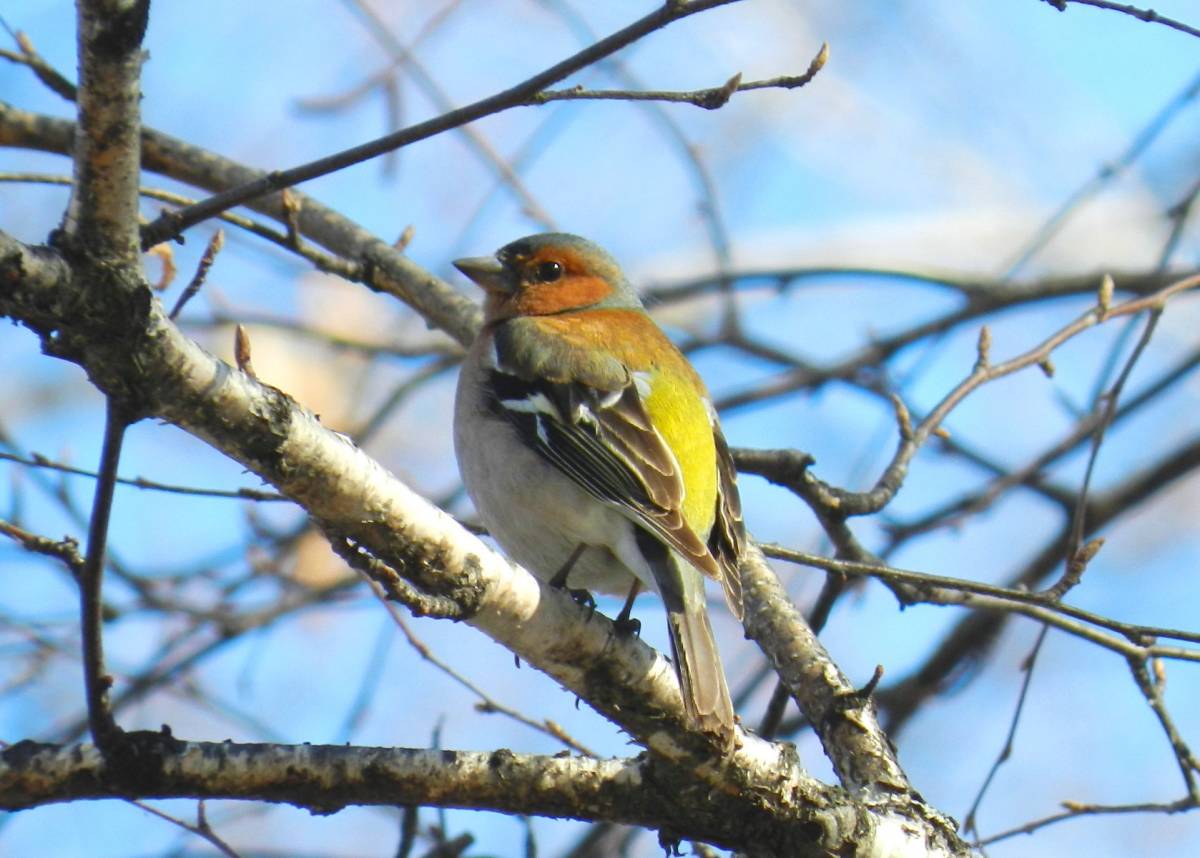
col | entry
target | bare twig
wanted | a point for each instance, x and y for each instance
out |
(975, 634)
(172, 224)
(970, 823)
(709, 202)
(97, 682)
(206, 260)
(893, 475)
(1147, 15)
(402, 55)
(65, 549)
(200, 827)
(1184, 758)
(710, 99)
(1030, 474)
(487, 703)
(1107, 171)
(1078, 809)
(322, 261)
(54, 80)
(393, 585)
(38, 461)
(1078, 554)
(1128, 639)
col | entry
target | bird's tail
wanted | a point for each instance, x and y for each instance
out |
(697, 662)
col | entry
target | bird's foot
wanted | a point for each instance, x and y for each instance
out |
(628, 627)
(584, 599)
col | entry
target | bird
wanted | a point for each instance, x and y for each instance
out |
(592, 451)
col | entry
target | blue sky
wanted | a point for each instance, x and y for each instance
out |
(939, 136)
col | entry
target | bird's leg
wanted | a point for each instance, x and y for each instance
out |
(559, 581)
(625, 624)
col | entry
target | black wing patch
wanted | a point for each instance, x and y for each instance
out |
(605, 442)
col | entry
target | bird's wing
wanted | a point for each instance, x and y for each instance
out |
(728, 535)
(605, 441)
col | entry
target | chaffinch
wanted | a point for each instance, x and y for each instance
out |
(591, 448)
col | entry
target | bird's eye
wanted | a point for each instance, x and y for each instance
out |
(547, 272)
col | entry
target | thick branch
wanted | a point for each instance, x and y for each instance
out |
(103, 212)
(327, 778)
(845, 721)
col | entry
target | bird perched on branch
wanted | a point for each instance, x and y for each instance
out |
(592, 450)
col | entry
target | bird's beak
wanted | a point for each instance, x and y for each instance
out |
(487, 273)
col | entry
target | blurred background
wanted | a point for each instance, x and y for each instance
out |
(1007, 144)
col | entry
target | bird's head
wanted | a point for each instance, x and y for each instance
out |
(548, 274)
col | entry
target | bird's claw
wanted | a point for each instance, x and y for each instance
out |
(584, 599)
(628, 627)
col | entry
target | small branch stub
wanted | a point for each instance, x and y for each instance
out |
(903, 419)
(1159, 669)
(720, 96)
(1076, 566)
(166, 258)
(405, 239)
(1104, 295)
(206, 262)
(818, 61)
(291, 215)
(241, 351)
(1088, 551)
(983, 348)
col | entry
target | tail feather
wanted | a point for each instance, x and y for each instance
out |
(706, 695)
(693, 647)
(701, 677)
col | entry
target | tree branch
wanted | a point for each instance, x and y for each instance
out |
(327, 778)
(96, 680)
(1147, 15)
(102, 216)
(171, 224)
(380, 265)
(345, 490)
(710, 99)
